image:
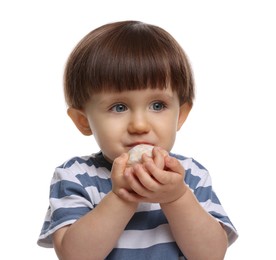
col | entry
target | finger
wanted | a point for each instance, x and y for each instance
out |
(174, 165)
(160, 176)
(158, 157)
(117, 173)
(146, 158)
(145, 178)
(132, 179)
(162, 151)
(139, 180)
(119, 164)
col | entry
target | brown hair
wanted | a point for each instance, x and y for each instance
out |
(126, 55)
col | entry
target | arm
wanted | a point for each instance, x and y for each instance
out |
(196, 232)
(94, 235)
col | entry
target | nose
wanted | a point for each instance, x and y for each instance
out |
(138, 123)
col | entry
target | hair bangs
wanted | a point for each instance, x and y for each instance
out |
(129, 61)
(123, 56)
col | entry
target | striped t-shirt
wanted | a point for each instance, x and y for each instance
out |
(80, 184)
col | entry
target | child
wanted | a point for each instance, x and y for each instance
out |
(130, 83)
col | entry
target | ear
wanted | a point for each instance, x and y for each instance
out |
(80, 120)
(183, 114)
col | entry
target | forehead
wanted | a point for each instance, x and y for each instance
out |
(134, 95)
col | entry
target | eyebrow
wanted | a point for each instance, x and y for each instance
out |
(119, 96)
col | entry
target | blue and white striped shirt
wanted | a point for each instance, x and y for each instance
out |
(80, 184)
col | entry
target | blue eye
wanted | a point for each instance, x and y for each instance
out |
(118, 108)
(157, 106)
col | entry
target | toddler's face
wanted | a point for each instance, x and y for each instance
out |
(121, 120)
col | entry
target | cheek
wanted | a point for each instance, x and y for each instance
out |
(166, 130)
(169, 139)
(104, 136)
(168, 124)
(107, 134)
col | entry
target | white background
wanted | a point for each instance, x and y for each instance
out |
(231, 129)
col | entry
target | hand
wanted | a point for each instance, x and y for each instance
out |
(155, 180)
(158, 156)
(117, 174)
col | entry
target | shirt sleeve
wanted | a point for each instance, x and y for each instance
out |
(68, 201)
(199, 181)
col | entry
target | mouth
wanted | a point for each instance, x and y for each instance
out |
(137, 143)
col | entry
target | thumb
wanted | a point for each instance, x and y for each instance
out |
(119, 164)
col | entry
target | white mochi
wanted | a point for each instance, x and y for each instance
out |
(135, 153)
